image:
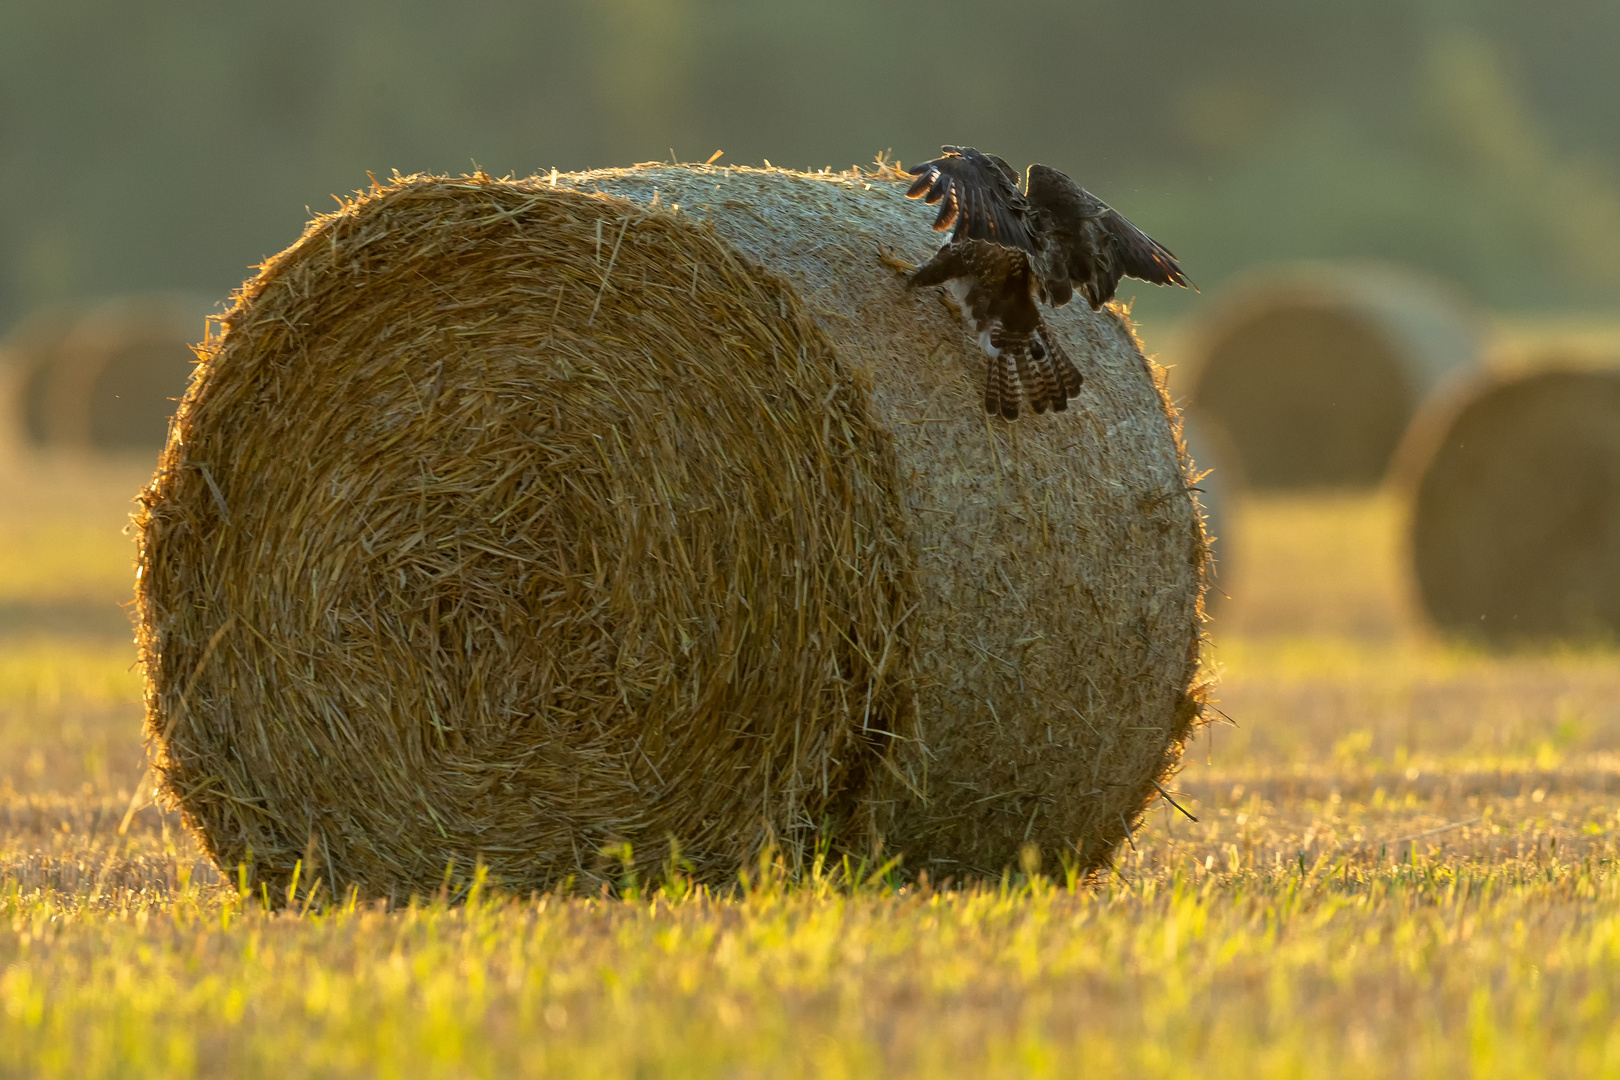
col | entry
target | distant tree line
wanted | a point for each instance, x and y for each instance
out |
(174, 143)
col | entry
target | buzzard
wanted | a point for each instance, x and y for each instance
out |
(1010, 248)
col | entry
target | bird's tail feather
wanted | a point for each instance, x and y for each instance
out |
(1032, 367)
(1036, 375)
(1001, 386)
(1067, 375)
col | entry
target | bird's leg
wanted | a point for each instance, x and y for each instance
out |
(888, 258)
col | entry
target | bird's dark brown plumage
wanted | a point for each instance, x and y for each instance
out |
(996, 289)
(1088, 243)
(1010, 248)
(977, 196)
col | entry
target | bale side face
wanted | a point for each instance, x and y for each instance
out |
(1515, 530)
(515, 526)
(1059, 559)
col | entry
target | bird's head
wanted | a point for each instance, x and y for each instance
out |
(986, 162)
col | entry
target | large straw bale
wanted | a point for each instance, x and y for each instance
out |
(1315, 369)
(1515, 520)
(516, 520)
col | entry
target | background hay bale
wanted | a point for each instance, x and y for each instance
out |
(510, 520)
(1315, 370)
(106, 380)
(1515, 522)
(30, 354)
(121, 372)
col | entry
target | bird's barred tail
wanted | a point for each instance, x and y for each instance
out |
(1001, 391)
(1063, 370)
(1032, 367)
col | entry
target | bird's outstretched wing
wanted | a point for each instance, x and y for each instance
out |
(977, 196)
(1141, 256)
(1092, 243)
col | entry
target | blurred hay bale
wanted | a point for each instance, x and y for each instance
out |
(30, 354)
(1515, 521)
(107, 379)
(121, 372)
(1316, 369)
(517, 521)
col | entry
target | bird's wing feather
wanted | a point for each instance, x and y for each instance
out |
(1141, 256)
(979, 202)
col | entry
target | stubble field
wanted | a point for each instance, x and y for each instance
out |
(1404, 864)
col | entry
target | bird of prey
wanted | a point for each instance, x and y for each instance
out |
(1009, 249)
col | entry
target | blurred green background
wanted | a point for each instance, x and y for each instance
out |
(174, 143)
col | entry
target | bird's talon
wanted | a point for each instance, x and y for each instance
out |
(888, 258)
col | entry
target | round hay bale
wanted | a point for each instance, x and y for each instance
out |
(1515, 521)
(520, 521)
(30, 354)
(1315, 370)
(114, 380)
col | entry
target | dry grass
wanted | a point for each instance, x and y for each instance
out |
(1418, 970)
(1321, 650)
(1405, 865)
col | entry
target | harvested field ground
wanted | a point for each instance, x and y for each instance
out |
(1404, 864)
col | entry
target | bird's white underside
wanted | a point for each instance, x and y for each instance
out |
(958, 288)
